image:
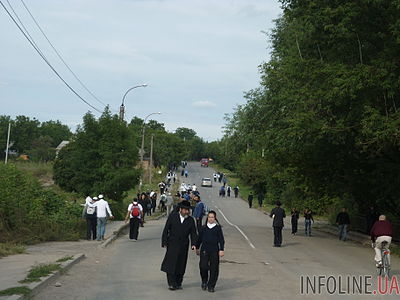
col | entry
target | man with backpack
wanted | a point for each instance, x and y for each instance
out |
(89, 213)
(134, 215)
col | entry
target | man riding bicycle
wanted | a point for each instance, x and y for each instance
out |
(381, 231)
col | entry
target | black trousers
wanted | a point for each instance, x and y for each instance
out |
(134, 228)
(250, 203)
(294, 226)
(209, 268)
(277, 236)
(174, 280)
(199, 223)
(91, 228)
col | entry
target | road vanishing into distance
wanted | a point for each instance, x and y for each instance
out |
(251, 269)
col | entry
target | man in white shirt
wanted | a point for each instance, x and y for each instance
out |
(134, 215)
(102, 210)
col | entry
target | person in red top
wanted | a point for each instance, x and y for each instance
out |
(381, 231)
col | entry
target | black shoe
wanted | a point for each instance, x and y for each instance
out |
(211, 290)
(172, 288)
(179, 287)
(204, 286)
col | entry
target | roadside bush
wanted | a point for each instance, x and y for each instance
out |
(30, 213)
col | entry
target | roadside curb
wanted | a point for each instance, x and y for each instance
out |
(114, 235)
(351, 235)
(117, 232)
(35, 287)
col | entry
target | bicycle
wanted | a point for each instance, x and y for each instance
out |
(384, 268)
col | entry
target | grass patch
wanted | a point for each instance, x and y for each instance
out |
(39, 271)
(42, 171)
(244, 189)
(18, 290)
(10, 249)
(65, 258)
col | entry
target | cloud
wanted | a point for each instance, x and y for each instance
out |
(204, 104)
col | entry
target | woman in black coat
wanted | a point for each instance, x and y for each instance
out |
(175, 238)
(210, 246)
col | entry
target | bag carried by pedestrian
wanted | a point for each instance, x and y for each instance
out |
(90, 210)
(135, 211)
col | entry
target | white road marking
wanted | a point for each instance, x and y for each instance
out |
(237, 227)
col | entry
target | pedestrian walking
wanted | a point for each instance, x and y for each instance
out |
(278, 214)
(236, 191)
(175, 238)
(308, 219)
(260, 198)
(143, 202)
(89, 213)
(169, 203)
(228, 190)
(134, 215)
(371, 218)
(294, 220)
(153, 202)
(210, 247)
(103, 210)
(343, 221)
(222, 191)
(250, 199)
(198, 212)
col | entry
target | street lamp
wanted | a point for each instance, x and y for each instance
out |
(143, 130)
(122, 107)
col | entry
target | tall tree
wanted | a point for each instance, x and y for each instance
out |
(100, 159)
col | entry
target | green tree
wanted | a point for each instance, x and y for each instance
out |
(101, 158)
(56, 131)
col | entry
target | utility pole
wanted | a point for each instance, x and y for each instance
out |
(8, 142)
(151, 158)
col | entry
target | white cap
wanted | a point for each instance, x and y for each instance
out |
(101, 196)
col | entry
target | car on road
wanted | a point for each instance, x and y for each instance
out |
(206, 182)
(204, 162)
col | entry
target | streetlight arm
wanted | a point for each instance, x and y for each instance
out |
(137, 86)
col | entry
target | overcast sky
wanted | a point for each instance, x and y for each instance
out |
(198, 57)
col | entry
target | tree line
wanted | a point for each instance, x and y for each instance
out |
(322, 128)
(31, 137)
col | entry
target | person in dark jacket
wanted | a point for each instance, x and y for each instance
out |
(143, 202)
(294, 220)
(343, 221)
(260, 198)
(371, 218)
(210, 247)
(250, 199)
(308, 218)
(277, 214)
(198, 212)
(175, 238)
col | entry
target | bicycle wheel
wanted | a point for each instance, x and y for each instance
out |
(385, 265)
(379, 270)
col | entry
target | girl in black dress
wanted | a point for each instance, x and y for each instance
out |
(210, 247)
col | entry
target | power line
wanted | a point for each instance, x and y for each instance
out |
(59, 55)
(43, 56)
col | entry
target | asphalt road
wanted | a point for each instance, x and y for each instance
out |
(251, 268)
